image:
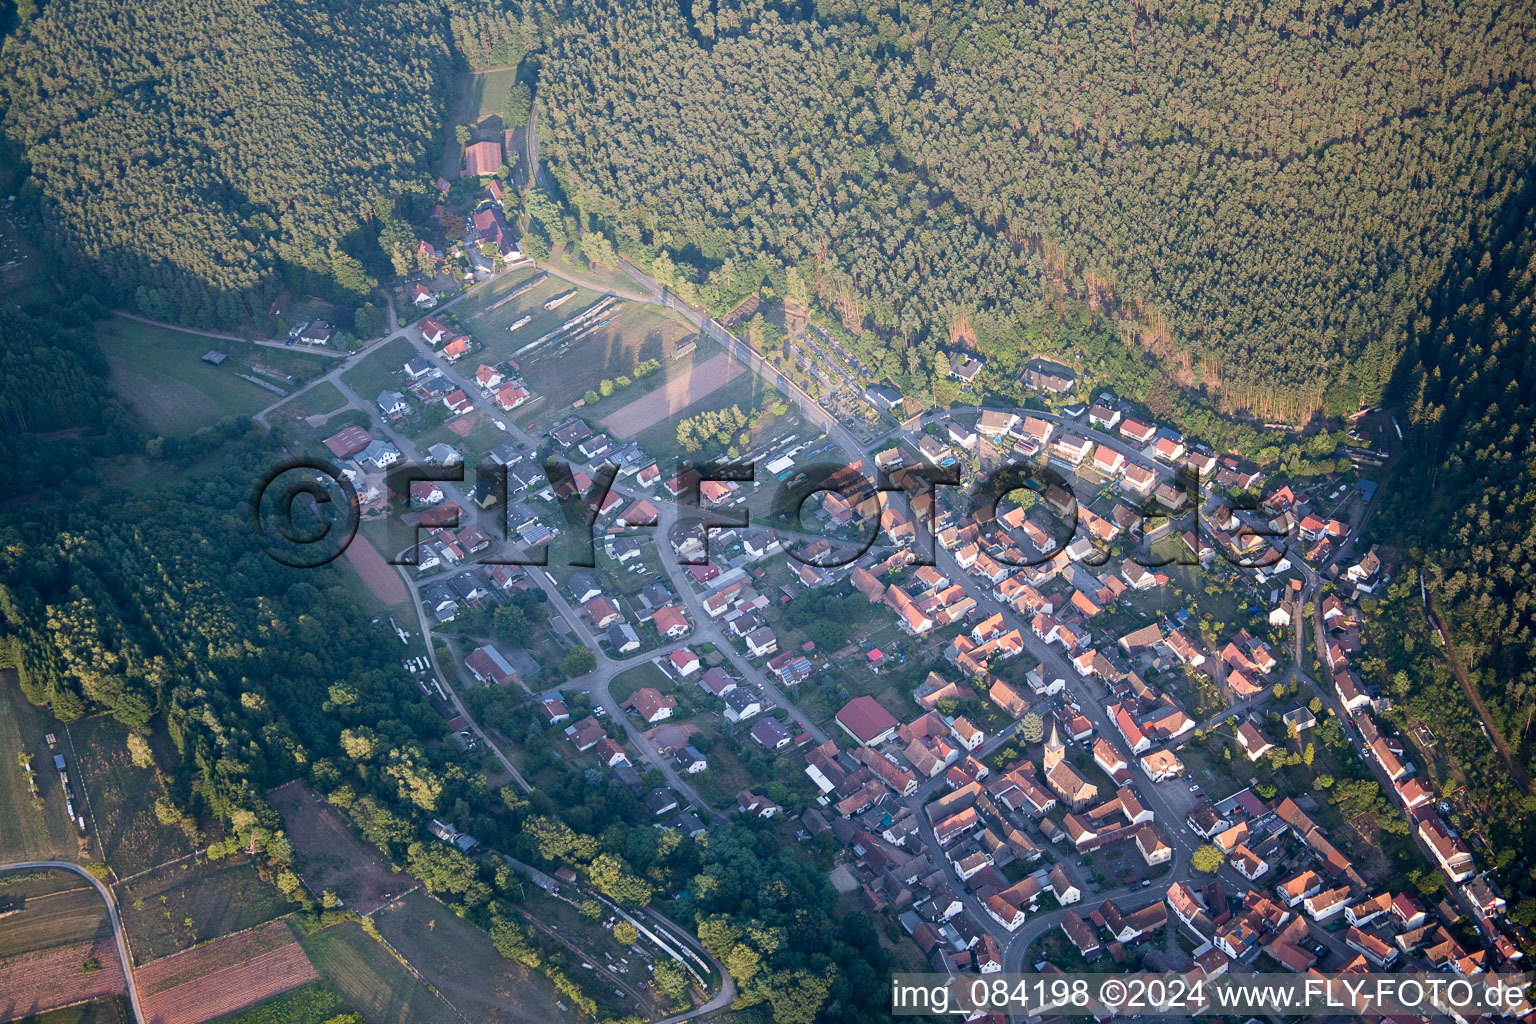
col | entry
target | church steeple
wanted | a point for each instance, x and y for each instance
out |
(1055, 750)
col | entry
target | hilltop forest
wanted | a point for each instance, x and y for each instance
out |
(1259, 196)
(1256, 199)
(1461, 509)
(188, 159)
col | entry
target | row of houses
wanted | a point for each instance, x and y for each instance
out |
(1386, 750)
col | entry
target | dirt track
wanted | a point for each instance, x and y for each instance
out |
(673, 397)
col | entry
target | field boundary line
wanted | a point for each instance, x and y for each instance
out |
(227, 935)
(389, 903)
(157, 867)
(379, 937)
(85, 798)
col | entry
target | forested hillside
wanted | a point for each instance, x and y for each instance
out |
(192, 156)
(56, 415)
(1260, 198)
(1461, 507)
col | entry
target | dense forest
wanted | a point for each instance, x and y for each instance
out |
(1461, 508)
(1259, 197)
(189, 158)
(57, 416)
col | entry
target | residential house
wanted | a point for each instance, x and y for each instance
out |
(490, 666)
(651, 704)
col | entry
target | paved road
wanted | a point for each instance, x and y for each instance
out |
(601, 678)
(706, 628)
(117, 924)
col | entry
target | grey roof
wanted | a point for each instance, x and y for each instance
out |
(466, 583)
(376, 450)
(688, 822)
(443, 454)
(741, 697)
(582, 583)
(628, 775)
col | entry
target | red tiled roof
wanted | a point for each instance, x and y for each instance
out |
(865, 718)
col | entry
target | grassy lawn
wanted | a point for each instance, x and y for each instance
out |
(29, 833)
(482, 435)
(312, 1003)
(379, 370)
(458, 959)
(329, 856)
(27, 282)
(370, 978)
(121, 799)
(726, 775)
(478, 302)
(55, 919)
(160, 373)
(484, 93)
(597, 944)
(216, 897)
(640, 676)
(320, 400)
(746, 390)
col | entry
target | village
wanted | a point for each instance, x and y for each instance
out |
(1123, 707)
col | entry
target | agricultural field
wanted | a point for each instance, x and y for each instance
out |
(459, 960)
(54, 919)
(182, 904)
(329, 856)
(30, 833)
(160, 373)
(370, 978)
(314, 1002)
(110, 1010)
(59, 976)
(19, 886)
(121, 798)
(375, 581)
(223, 976)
